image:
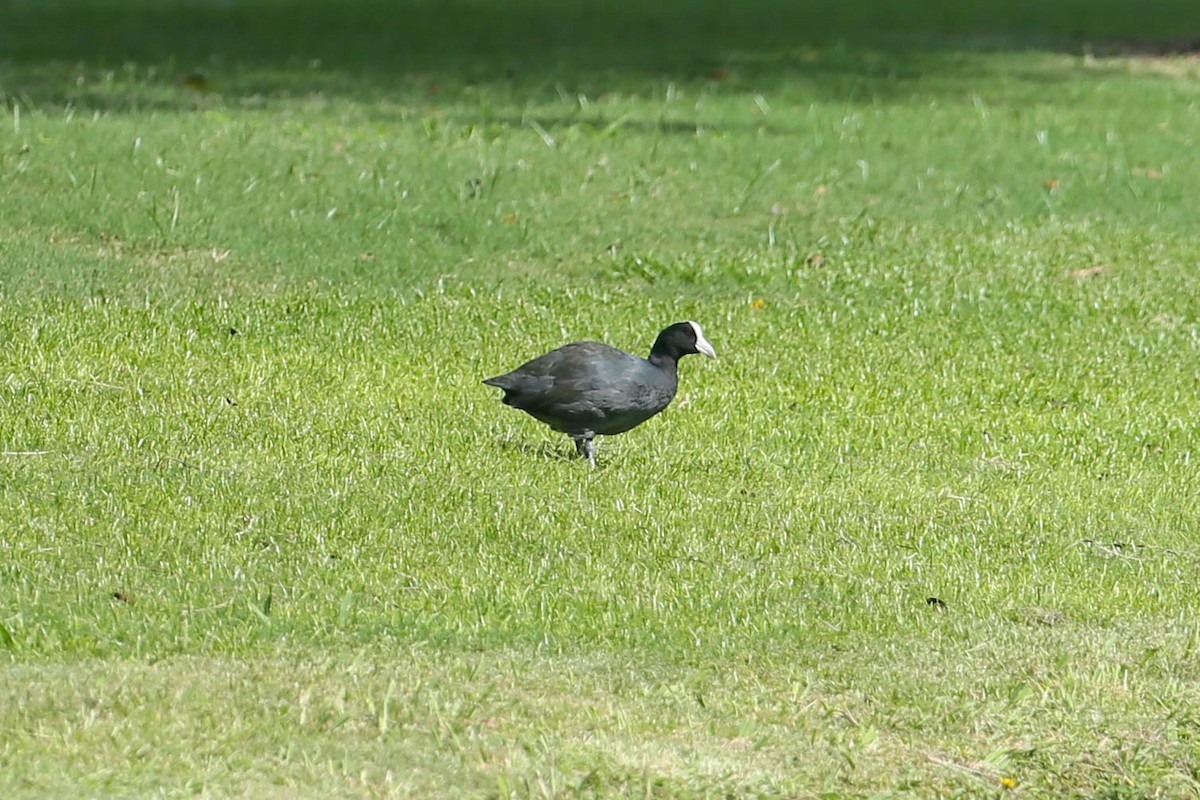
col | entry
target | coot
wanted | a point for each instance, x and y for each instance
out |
(585, 389)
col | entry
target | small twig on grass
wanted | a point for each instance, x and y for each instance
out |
(962, 498)
(26, 452)
(1126, 550)
(974, 771)
(92, 382)
(205, 609)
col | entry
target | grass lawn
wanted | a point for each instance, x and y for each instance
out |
(928, 528)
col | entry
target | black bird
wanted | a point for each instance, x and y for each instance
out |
(585, 389)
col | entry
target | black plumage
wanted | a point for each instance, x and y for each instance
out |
(588, 389)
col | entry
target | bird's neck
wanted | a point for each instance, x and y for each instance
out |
(664, 361)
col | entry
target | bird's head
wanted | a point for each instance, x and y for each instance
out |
(682, 339)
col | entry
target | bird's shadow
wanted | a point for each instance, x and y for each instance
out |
(547, 451)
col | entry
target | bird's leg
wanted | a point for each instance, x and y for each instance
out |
(586, 448)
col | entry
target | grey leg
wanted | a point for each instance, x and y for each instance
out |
(586, 448)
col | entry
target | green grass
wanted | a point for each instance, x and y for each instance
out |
(927, 528)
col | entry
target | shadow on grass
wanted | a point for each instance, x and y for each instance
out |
(541, 451)
(61, 52)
